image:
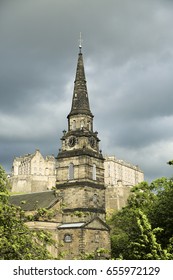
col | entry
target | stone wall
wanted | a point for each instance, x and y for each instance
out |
(85, 205)
(74, 241)
(31, 183)
(119, 177)
(82, 169)
(116, 197)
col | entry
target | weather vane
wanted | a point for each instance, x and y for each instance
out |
(80, 42)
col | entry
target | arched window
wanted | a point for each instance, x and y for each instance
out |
(95, 198)
(71, 171)
(94, 172)
(82, 124)
(89, 125)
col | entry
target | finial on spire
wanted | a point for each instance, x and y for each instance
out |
(80, 42)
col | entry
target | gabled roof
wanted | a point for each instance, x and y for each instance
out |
(95, 223)
(33, 201)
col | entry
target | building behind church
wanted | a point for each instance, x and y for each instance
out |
(33, 173)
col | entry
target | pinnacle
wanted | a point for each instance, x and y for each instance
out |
(80, 101)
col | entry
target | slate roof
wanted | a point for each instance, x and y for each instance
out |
(72, 225)
(80, 101)
(33, 201)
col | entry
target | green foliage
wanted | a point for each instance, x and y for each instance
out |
(162, 214)
(146, 247)
(44, 214)
(100, 253)
(4, 186)
(144, 228)
(80, 214)
(17, 241)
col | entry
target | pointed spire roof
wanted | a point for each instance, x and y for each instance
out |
(80, 101)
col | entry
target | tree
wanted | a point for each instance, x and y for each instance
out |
(17, 241)
(162, 212)
(144, 228)
(146, 247)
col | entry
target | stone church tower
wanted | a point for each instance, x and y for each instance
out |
(78, 200)
(80, 176)
(80, 170)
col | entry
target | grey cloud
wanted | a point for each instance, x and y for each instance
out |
(128, 60)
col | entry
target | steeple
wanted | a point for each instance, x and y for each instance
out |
(80, 101)
(80, 169)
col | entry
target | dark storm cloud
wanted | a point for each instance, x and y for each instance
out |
(128, 56)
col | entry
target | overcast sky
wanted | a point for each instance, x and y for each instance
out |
(128, 57)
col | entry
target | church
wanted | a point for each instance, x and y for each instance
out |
(79, 198)
(79, 194)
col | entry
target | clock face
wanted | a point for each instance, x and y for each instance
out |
(92, 142)
(72, 141)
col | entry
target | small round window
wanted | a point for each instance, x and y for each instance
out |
(67, 238)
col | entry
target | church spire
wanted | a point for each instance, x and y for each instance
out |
(80, 101)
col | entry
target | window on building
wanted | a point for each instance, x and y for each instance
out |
(94, 172)
(71, 171)
(97, 237)
(82, 124)
(109, 168)
(67, 238)
(95, 198)
(89, 125)
(73, 125)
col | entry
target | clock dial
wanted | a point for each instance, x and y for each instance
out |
(72, 141)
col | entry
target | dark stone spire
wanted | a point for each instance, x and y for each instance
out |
(80, 101)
